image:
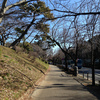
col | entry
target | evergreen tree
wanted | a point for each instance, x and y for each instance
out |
(39, 13)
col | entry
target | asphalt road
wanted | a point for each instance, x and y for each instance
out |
(89, 71)
(58, 85)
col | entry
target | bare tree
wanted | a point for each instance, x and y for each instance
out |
(57, 57)
(62, 38)
(89, 8)
(91, 30)
(66, 8)
(41, 53)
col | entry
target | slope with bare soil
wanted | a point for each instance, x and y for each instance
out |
(18, 73)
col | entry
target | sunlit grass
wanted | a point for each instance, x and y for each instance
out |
(18, 73)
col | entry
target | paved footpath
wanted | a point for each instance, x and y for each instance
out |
(58, 85)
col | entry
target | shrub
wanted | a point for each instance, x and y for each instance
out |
(33, 55)
(18, 49)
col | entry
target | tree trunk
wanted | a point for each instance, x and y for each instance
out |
(23, 34)
(76, 56)
(92, 64)
(66, 64)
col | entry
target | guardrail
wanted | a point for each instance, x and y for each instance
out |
(88, 75)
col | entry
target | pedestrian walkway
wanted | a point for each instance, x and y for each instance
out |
(58, 85)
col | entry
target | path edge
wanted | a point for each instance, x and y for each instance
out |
(27, 94)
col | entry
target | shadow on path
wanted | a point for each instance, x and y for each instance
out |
(95, 90)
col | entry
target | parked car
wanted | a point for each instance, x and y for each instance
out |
(71, 64)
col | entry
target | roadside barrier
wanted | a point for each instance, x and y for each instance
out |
(87, 75)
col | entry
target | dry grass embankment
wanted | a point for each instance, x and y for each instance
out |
(18, 73)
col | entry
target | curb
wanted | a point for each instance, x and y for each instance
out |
(27, 94)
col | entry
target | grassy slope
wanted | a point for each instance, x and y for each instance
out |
(17, 73)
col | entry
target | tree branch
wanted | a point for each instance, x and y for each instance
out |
(4, 8)
(75, 14)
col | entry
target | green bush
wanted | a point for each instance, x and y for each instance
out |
(27, 46)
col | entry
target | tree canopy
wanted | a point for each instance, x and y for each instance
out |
(27, 17)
